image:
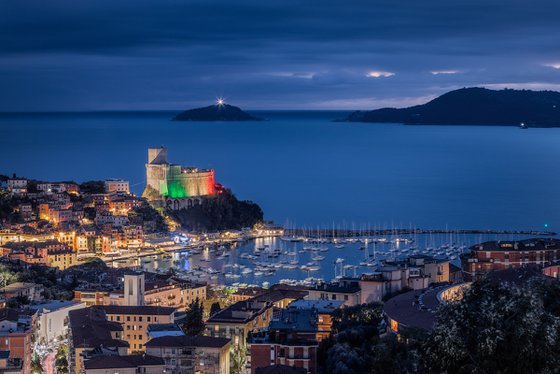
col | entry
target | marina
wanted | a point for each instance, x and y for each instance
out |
(308, 260)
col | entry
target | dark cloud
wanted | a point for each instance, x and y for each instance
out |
(168, 54)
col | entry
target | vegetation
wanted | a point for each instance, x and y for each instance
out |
(194, 322)
(356, 347)
(220, 213)
(238, 355)
(92, 187)
(61, 360)
(478, 106)
(14, 271)
(498, 328)
(149, 214)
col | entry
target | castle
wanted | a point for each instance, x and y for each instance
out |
(176, 186)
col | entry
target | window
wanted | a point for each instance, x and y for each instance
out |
(149, 318)
(139, 319)
(128, 318)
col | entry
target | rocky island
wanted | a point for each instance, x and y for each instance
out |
(217, 112)
(475, 106)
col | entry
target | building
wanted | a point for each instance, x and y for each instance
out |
(132, 364)
(500, 255)
(32, 291)
(117, 185)
(291, 340)
(346, 290)
(91, 335)
(325, 310)
(51, 321)
(17, 185)
(238, 320)
(178, 186)
(50, 252)
(134, 289)
(135, 321)
(192, 354)
(8, 365)
(16, 336)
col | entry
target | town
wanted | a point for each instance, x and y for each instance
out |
(71, 302)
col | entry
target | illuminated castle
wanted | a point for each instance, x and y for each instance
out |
(178, 186)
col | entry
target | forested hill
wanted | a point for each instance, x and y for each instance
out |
(475, 106)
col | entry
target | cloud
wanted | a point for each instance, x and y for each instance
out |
(445, 72)
(379, 74)
(169, 54)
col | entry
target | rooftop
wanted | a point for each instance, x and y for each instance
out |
(281, 369)
(534, 244)
(414, 308)
(18, 286)
(322, 306)
(241, 312)
(90, 329)
(294, 320)
(188, 341)
(121, 362)
(138, 310)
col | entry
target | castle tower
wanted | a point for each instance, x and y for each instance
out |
(157, 156)
(134, 289)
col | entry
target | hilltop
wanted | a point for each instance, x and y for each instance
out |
(217, 112)
(475, 106)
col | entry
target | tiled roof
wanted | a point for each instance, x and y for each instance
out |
(188, 341)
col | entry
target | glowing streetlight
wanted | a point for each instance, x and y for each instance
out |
(220, 101)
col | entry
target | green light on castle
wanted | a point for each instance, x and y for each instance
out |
(176, 190)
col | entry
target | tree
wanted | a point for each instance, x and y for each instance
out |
(36, 366)
(215, 308)
(498, 328)
(238, 355)
(194, 323)
(61, 360)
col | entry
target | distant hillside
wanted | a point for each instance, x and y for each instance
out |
(475, 106)
(218, 112)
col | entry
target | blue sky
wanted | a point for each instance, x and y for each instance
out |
(305, 54)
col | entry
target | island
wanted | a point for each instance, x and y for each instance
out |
(217, 112)
(474, 106)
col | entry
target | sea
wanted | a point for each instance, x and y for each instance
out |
(305, 170)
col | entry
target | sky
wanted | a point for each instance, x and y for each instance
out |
(68, 55)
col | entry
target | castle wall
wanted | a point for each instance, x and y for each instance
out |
(175, 181)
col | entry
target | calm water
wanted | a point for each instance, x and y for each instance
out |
(301, 167)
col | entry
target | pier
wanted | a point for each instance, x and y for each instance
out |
(348, 233)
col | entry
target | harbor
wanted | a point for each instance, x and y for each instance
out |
(307, 260)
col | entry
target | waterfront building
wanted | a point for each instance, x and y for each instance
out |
(188, 354)
(499, 255)
(117, 185)
(174, 185)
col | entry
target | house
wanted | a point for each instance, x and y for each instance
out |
(132, 364)
(188, 354)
